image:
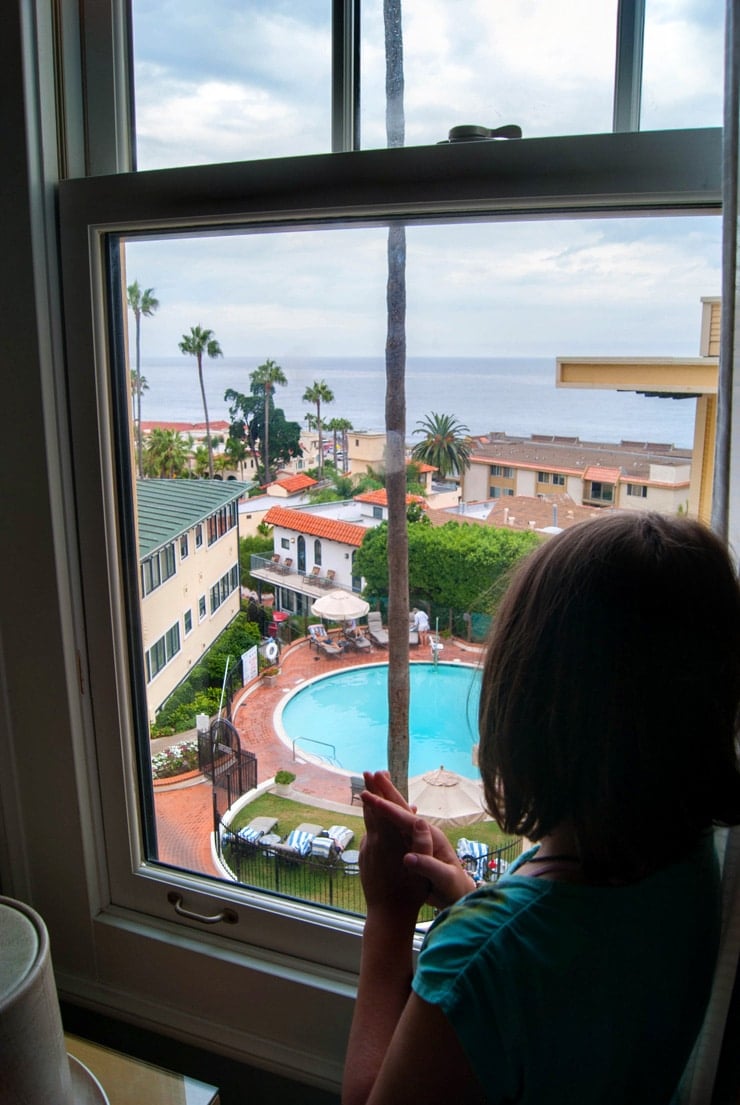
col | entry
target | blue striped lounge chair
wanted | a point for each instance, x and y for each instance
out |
(297, 843)
(473, 855)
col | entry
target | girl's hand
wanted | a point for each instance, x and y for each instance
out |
(425, 849)
(390, 886)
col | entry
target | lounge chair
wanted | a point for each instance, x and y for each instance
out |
(356, 639)
(314, 576)
(473, 854)
(287, 565)
(322, 641)
(376, 630)
(297, 843)
(328, 847)
(249, 835)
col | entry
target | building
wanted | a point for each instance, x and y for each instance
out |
(632, 475)
(188, 575)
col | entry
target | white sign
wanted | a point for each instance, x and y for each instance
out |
(250, 668)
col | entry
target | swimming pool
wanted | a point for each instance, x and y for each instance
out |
(349, 710)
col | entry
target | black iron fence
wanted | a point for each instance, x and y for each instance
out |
(330, 882)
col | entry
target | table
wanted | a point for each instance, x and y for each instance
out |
(351, 861)
(129, 1081)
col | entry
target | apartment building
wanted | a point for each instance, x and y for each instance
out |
(188, 575)
(631, 475)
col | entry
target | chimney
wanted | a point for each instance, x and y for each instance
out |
(555, 514)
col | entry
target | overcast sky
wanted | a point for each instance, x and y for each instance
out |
(233, 79)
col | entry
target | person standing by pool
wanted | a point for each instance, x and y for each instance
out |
(608, 728)
(421, 625)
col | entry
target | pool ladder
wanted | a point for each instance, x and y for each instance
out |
(331, 759)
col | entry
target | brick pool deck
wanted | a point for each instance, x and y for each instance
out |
(184, 812)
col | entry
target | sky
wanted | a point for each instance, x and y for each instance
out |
(239, 79)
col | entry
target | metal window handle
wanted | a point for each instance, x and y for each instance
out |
(228, 916)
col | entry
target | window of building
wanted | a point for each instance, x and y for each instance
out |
(317, 552)
(187, 620)
(558, 479)
(637, 490)
(502, 470)
(284, 542)
(601, 492)
(201, 608)
(543, 477)
(198, 536)
(162, 651)
(184, 547)
(377, 512)
(158, 568)
(226, 585)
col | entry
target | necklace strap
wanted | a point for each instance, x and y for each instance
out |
(554, 859)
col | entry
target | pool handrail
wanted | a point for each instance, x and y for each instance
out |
(313, 740)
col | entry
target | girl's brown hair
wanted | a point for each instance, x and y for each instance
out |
(610, 692)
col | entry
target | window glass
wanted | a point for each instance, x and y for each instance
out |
(492, 308)
(547, 67)
(229, 82)
(682, 80)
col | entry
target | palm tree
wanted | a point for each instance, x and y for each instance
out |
(195, 344)
(319, 392)
(166, 455)
(143, 303)
(446, 444)
(395, 424)
(344, 425)
(266, 376)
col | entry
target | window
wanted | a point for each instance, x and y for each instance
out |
(225, 586)
(157, 569)
(558, 479)
(497, 492)
(107, 871)
(637, 490)
(201, 608)
(184, 547)
(317, 552)
(377, 512)
(601, 492)
(284, 542)
(162, 651)
(503, 470)
(187, 621)
(543, 477)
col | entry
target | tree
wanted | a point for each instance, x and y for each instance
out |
(395, 424)
(248, 425)
(143, 304)
(319, 392)
(196, 344)
(166, 454)
(265, 377)
(446, 444)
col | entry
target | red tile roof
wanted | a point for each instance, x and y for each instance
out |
(316, 525)
(379, 497)
(185, 427)
(608, 475)
(299, 482)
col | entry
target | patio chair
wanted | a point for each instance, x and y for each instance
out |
(320, 638)
(473, 855)
(356, 639)
(249, 836)
(288, 564)
(297, 843)
(376, 631)
(314, 576)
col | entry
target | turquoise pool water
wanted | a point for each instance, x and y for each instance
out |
(349, 710)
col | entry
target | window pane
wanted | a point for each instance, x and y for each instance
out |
(491, 306)
(547, 67)
(229, 82)
(682, 79)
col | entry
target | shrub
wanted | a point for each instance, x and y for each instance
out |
(175, 760)
(284, 778)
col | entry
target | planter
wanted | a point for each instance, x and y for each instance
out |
(269, 680)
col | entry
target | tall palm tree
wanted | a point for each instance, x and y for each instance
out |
(395, 424)
(266, 376)
(196, 344)
(143, 303)
(319, 392)
(344, 426)
(446, 444)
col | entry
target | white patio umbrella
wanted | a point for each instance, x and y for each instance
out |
(340, 606)
(443, 797)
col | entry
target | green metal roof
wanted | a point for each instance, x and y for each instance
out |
(168, 508)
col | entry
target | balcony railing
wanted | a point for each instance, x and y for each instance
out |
(282, 572)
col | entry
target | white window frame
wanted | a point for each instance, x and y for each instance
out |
(118, 945)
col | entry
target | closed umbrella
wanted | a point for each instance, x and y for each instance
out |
(443, 797)
(340, 606)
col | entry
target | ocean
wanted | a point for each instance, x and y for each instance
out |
(516, 395)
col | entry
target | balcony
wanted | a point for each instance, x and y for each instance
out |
(281, 572)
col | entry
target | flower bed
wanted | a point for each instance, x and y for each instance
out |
(175, 760)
